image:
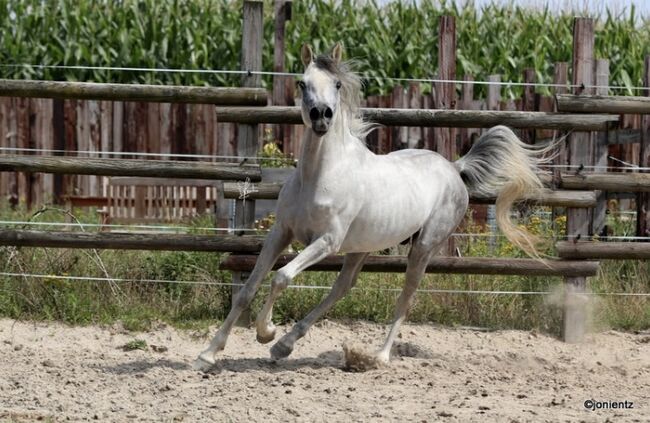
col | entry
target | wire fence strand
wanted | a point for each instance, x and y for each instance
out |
(317, 287)
(292, 74)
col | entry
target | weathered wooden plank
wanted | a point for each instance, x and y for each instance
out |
(130, 128)
(603, 250)
(282, 12)
(128, 167)
(94, 142)
(248, 140)
(580, 153)
(455, 265)
(4, 143)
(600, 149)
(643, 200)
(23, 141)
(414, 101)
(165, 144)
(431, 118)
(602, 104)
(133, 92)
(528, 103)
(36, 114)
(269, 191)
(445, 92)
(118, 126)
(178, 133)
(131, 241)
(137, 180)
(70, 131)
(398, 135)
(615, 182)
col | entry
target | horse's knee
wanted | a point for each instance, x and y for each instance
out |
(281, 280)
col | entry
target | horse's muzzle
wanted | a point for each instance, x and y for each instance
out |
(321, 118)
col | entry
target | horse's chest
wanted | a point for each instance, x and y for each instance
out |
(311, 216)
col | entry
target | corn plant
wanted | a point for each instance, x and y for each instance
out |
(390, 40)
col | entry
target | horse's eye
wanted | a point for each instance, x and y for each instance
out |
(338, 85)
(301, 85)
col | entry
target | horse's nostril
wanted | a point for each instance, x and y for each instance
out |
(328, 113)
(314, 114)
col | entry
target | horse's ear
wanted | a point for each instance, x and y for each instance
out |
(337, 53)
(306, 55)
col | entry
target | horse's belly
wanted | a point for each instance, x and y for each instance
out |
(380, 228)
(391, 219)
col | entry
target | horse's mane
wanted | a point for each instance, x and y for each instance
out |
(350, 93)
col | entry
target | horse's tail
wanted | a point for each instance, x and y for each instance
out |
(499, 163)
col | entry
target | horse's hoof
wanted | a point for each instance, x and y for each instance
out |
(201, 364)
(280, 350)
(265, 338)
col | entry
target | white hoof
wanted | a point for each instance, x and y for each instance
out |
(203, 363)
(383, 358)
(265, 334)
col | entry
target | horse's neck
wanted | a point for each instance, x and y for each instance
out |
(319, 156)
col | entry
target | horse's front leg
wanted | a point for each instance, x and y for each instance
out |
(275, 243)
(315, 252)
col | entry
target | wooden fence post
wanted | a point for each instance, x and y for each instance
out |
(415, 134)
(560, 79)
(488, 214)
(248, 142)
(528, 103)
(445, 92)
(643, 199)
(580, 153)
(601, 148)
(282, 10)
(466, 103)
(58, 133)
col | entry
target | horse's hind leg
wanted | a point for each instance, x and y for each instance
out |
(276, 241)
(423, 247)
(344, 282)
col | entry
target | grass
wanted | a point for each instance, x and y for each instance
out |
(139, 305)
(135, 344)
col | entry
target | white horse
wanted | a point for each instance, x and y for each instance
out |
(344, 198)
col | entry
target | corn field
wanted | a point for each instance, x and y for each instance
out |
(392, 40)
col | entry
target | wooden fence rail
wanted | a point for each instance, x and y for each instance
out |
(251, 244)
(603, 250)
(562, 198)
(602, 104)
(133, 92)
(458, 265)
(131, 241)
(129, 167)
(615, 182)
(431, 118)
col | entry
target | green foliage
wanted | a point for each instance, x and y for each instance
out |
(140, 304)
(390, 40)
(135, 344)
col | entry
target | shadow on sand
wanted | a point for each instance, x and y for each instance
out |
(329, 359)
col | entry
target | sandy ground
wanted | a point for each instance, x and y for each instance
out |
(53, 372)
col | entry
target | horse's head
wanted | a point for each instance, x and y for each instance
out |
(320, 88)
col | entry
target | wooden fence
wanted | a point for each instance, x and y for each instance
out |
(101, 126)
